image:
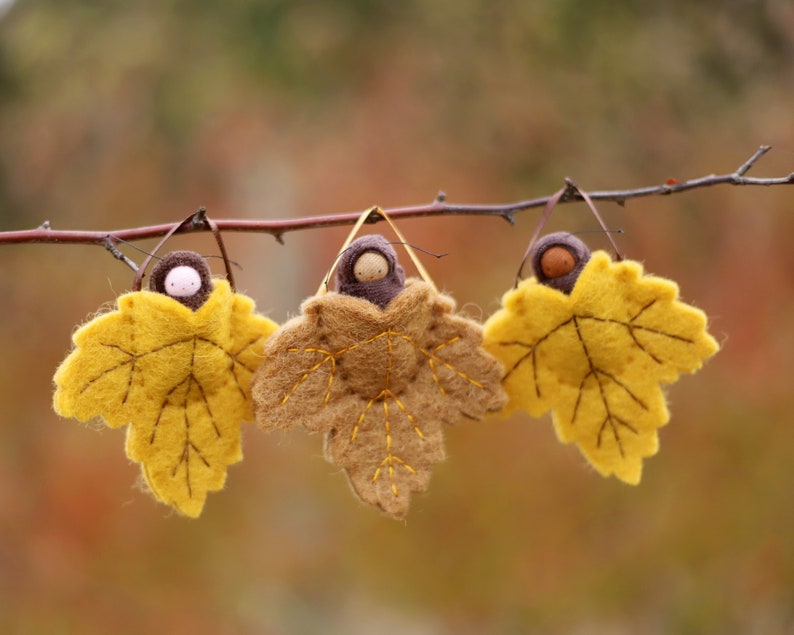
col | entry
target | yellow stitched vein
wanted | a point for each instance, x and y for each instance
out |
(364, 414)
(433, 359)
(409, 416)
(329, 357)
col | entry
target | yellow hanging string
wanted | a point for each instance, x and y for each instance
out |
(365, 216)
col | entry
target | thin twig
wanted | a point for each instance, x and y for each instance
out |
(439, 207)
(749, 163)
(112, 246)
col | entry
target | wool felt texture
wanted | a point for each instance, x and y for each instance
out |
(379, 384)
(596, 358)
(179, 378)
(379, 290)
(550, 271)
(182, 258)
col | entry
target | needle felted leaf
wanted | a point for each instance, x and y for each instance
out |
(596, 358)
(180, 379)
(380, 384)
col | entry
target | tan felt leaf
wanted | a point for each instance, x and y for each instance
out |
(179, 378)
(379, 384)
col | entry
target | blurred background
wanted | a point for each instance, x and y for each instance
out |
(117, 114)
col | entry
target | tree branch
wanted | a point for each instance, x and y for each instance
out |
(439, 207)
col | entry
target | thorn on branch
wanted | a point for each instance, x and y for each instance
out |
(374, 216)
(279, 236)
(571, 191)
(45, 225)
(441, 197)
(199, 218)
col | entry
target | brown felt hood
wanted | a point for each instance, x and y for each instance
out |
(379, 292)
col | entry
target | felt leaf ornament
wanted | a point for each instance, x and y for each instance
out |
(175, 364)
(378, 370)
(594, 353)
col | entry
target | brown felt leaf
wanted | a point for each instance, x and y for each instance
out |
(380, 384)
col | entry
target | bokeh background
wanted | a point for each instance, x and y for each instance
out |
(119, 114)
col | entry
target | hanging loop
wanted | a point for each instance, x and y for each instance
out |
(196, 221)
(365, 217)
(544, 216)
(570, 189)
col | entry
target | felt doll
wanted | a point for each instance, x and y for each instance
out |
(379, 366)
(175, 363)
(591, 340)
(183, 276)
(369, 269)
(557, 260)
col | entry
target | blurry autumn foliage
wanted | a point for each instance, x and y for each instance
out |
(122, 114)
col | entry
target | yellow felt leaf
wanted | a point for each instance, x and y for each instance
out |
(596, 358)
(179, 378)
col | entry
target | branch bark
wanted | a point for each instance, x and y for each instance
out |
(439, 207)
